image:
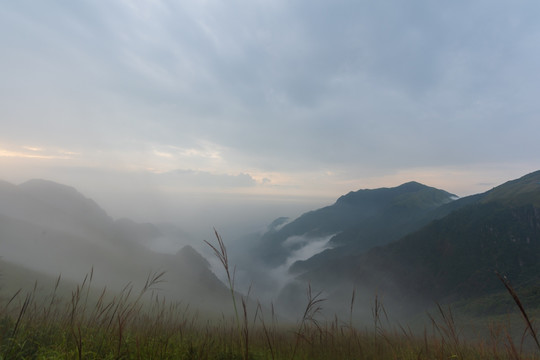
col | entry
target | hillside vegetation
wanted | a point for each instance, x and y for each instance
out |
(140, 324)
(410, 272)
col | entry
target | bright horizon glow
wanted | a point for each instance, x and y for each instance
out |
(29, 162)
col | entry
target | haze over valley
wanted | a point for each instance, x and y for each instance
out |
(353, 157)
(363, 242)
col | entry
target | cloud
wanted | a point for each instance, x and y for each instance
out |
(203, 179)
(32, 148)
(163, 154)
(262, 87)
(30, 152)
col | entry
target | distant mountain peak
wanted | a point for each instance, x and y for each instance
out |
(191, 256)
(362, 219)
(51, 191)
(412, 186)
(388, 194)
(66, 199)
(48, 184)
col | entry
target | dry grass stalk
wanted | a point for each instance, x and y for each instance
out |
(221, 253)
(514, 295)
(312, 308)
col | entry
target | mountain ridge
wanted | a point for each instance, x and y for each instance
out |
(354, 214)
(452, 257)
(54, 229)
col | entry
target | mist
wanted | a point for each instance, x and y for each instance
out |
(168, 198)
(134, 131)
(263, 282)
(55, 229)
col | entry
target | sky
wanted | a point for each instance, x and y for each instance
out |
(248, 108)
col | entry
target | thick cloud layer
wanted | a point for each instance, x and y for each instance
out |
(271, 97)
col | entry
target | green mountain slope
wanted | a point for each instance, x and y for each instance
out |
(359, 220)
(454, 257)
(525, 190)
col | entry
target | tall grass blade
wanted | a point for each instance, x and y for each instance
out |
(512, 292)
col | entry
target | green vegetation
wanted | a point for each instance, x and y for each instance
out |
(126, 327)
(427, 254)
(358, 221)
(525, 190)
(142, 325)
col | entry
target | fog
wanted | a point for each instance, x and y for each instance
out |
(240, 219)
(55, 229)
(168, 198)
(171, 120)
(263, 282)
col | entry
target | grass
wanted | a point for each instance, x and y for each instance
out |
(140, 324)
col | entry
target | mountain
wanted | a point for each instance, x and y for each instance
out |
(356, 221)
(128, 231)
(66, 199)
(53, 229)
(454, 257)
(522, 191)
(202, 282)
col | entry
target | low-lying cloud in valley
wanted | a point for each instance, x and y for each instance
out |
(130, 131)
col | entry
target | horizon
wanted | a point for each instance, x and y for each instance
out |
(263, 107)
(198, 216)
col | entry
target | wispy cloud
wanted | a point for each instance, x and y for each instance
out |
(32, 148)
(163, 154)
(36, 153)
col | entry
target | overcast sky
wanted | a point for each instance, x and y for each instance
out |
(268, 99)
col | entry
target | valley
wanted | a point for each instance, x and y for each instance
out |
(411, 252)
